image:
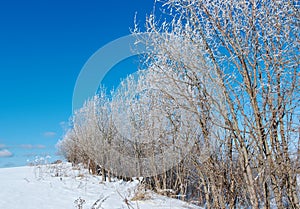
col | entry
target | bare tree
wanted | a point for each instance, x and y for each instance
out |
(249, 51)
(221, 82)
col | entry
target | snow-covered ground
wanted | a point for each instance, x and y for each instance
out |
(59, 186)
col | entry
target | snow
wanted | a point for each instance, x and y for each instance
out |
(59, 186)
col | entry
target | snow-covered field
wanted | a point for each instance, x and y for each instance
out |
(59, 186)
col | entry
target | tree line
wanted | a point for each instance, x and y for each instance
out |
(214, 116)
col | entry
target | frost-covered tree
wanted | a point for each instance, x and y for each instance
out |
(214, 117)
(241, 58)
(87, 139)
(148, 123)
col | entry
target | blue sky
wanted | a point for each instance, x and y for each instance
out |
(43, 46)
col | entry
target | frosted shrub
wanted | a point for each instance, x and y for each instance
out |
(79, 203)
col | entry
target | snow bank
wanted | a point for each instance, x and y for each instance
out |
(59, 186)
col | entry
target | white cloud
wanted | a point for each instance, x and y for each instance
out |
(30, 146)
(40, 146)
(26, 146)
(49, 134)
(5, 153)
(2, 146)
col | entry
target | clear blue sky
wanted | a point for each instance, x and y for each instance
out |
(43, 46)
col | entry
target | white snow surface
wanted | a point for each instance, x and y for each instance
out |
(59, 186)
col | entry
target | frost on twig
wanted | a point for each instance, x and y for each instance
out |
(79, 203)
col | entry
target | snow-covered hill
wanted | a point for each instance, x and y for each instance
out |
(59, 186)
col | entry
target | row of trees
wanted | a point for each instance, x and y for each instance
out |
(215, 115)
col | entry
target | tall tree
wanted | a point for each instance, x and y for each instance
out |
(251, 53)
